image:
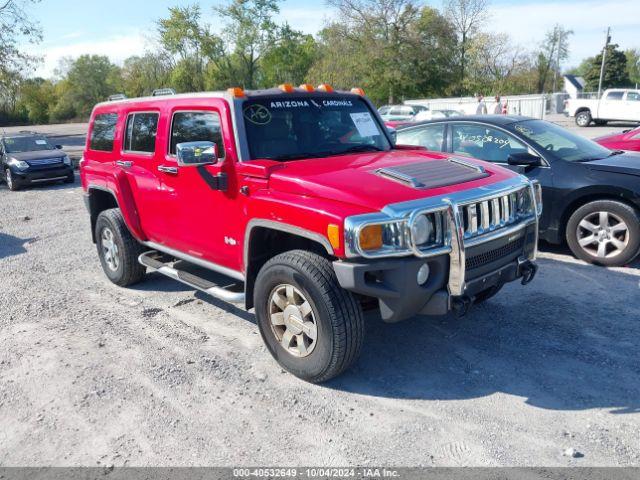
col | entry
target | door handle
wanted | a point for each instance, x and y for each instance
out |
(169, 170)
(123, 164)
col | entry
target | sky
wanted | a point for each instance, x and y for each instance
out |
(121, 28)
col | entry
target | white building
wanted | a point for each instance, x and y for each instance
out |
(573, 85)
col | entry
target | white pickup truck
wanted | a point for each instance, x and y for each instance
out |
(615, 104)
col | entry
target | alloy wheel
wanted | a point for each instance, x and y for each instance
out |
(603, 234)
(292, 320)
(110, 249)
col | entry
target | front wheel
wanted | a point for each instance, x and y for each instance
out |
(605, 232)
(583, 119)
(311, 326)
(118, 250)
(12, 183)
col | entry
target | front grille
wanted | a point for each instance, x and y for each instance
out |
(495, 213)
(482, 259)
(44, 161)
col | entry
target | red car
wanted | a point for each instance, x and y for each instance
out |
(627, 140)
(295, 202)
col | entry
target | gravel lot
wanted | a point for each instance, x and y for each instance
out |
(158, 375)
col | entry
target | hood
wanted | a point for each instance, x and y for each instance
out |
(37, 155)
(627, 163)
(374, 180)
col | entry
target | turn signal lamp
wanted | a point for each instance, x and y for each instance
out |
(333, 233)
(236, 92)
(371, 237)
(286, 88)
(307, 87)
(325, 87)
(358, 91)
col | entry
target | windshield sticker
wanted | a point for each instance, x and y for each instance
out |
(41, 142)
(257, 114)
(524, 130)
(308, 103)
(290, 104)
(480, 140)
(365, 124)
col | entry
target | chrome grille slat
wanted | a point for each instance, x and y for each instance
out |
(44, 161)
(489, 215)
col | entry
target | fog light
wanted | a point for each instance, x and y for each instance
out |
(423, 274)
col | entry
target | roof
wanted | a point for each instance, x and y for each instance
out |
(577, 82)
(222, 94)
(500, 120)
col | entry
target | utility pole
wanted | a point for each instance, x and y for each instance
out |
(604, 59)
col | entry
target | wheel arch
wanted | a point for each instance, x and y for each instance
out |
(265, 239)
(587, 196)
(101, 198)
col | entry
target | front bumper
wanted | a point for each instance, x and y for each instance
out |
(455, 279)
(32, 176)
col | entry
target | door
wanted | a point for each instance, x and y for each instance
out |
(632, 106)
(138, 161)
(612, 107)
(495, 145)
(204, 211)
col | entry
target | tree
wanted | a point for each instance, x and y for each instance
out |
(615, 70)
(249, 32)
(90, 80)
(142, 75)
(38, 98)
(553, 51)
(289, 58)
(633, 65)
(466, 16)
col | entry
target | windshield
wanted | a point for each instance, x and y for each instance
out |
(26, 144)
(561, 143)
(304, 127)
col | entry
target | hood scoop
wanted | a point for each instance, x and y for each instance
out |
(434, 174)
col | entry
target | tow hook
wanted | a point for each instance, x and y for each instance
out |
(528, 269)
(461, 305)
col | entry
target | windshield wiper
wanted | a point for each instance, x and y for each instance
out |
(594, 159)
(361, 148)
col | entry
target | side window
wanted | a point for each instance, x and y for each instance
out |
(615, 95)
(395, 111)
(633, 97)
(141, 132)
(103, 132)
(430, 136)
(383, 110)
(196, 127)
(484, 142)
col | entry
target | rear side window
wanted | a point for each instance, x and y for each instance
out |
(104, 132)
(196, 127)
(615, 95)
(141, 132)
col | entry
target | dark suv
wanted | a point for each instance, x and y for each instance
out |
(28, 158)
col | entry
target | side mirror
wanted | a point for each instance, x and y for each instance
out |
(524, 159)
(196, 153)
(59, 147)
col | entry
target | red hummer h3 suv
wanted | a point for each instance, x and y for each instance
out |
(296, 202)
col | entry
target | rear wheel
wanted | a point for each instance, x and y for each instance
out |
(311, 326)
(118, 250)
(583, 118)
(605, 232)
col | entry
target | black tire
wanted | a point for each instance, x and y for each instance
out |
(487, 294)
(338, 316)
(619, 210)
(12, 183)
(583, 118)
(128, 270)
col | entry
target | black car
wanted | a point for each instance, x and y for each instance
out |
(29, 158)
(591, 195)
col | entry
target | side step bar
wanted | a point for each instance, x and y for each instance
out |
(190, 279)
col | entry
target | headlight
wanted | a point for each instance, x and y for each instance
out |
(19, 164)
(422, 230)
(386, 239)
(537, 192)
(66, 160)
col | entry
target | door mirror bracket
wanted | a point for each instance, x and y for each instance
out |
(524, 159)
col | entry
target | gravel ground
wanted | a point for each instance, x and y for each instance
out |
(95, 375)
